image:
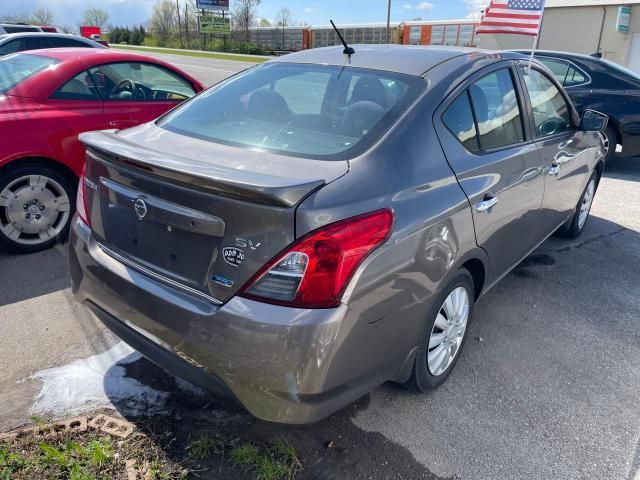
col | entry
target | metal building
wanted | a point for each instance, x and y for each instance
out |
(460, 33)
(281, 38)
(368, 33)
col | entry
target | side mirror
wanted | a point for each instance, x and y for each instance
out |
(593, 121)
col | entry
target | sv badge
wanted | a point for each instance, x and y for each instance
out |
(244, 243)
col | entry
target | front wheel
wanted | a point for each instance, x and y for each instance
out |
(576, 224)
(444, 335)
(36, 204)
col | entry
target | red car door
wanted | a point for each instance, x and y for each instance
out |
(138, 92)
(73, 108)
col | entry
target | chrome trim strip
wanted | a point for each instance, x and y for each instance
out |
(161, 278)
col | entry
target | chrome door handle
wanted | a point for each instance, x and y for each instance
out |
(487, 204)
(554, 170)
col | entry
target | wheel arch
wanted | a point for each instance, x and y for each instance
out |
(41, 161)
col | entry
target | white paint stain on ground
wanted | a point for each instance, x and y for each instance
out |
(97, 382)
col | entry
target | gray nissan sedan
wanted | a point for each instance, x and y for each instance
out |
(315, 226)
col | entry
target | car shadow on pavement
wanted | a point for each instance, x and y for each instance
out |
(333, 449)
(31, 275)
(623, 168)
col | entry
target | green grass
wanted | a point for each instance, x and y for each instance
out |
(177, 51)
(277, 461)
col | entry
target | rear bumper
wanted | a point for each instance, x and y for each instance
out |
(283, 364)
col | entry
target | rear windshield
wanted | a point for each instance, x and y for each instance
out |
(17, 67)
(314, 111)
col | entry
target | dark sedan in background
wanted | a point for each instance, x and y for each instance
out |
(599, 84)
(19, 42)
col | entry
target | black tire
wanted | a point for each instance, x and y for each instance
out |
(573, 228)
(56, 184)
(611, 140)
(422, 379)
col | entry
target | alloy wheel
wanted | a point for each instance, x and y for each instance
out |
(605, 142)
(585, 205)
(33, 209)
(448, 331)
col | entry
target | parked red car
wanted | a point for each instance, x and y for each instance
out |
(48, 97)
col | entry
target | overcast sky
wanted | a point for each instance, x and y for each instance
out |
(129, 12)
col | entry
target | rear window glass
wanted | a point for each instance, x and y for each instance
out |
(15, 68)
(315, 111)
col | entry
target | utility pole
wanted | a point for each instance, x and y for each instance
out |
(179, 23)
(389, 22)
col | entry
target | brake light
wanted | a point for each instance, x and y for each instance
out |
(81, 203)
(316, 269)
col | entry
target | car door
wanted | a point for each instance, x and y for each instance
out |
(483, 131)
(75, 107)
(138, 92)
(561, 146)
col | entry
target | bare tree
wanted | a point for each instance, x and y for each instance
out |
(95, 17)
(43, 16)
(163, 20)
(245, 12)
(284, 17)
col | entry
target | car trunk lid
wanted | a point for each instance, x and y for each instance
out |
(206, 218)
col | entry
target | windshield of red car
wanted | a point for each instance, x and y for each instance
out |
(315, 111)
(17, 67)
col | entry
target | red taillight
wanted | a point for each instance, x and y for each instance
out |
(315, 270)
(81, 203)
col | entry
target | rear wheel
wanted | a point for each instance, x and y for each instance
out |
(610, 141)
(36, 204)
(444, 335)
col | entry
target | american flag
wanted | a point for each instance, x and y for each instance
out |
(517, 17)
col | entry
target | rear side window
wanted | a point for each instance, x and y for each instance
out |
(80, 87)
(19, 45)
(315, 111)
(574, 77)
(566, 74)
(16, 68)
(497, 113)
(20, 28)
(459, 120)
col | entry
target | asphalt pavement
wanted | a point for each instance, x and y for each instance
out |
(547, 387)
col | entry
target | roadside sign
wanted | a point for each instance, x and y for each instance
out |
(624, 19)
(213, 4)
(214, 24)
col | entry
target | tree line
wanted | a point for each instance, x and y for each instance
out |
(173, 23)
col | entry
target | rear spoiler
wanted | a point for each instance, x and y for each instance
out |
(108, 147)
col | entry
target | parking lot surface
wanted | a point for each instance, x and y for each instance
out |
(546, 387)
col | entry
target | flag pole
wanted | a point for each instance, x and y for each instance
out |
(536, 38)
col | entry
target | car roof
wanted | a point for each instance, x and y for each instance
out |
(91, 55)
(9, 36)
(408, 59)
